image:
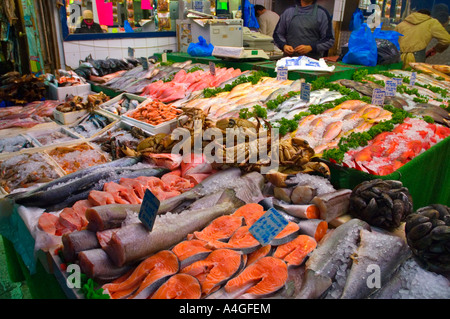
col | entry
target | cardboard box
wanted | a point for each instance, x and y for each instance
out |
(60, 93)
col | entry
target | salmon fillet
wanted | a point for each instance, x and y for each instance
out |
(179, 286)
(265, 276)
(216, 269)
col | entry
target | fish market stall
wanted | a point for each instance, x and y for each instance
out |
(342, 70)
(348, 191)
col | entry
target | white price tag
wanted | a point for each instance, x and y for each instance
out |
(378, 96)
(305, 91)
(282, 73)
(399, 81)
(413, 78)
(391, 87)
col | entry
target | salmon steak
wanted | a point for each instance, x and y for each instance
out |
(221, 228)
(216, 269)
(146, 278)
(260, 279)
(295, 252)
(179, 286)
(259, 253)
(250, 212)
(189, 251)
(241, 240)
(286, 235)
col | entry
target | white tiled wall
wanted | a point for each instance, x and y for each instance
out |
(74, 51)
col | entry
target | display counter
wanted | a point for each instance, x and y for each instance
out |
(427, 176)
(341, 71)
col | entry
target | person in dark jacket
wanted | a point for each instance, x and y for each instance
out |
(304, 29)
(88, 25)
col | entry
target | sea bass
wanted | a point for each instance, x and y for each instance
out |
(333, 251)
(385, 251)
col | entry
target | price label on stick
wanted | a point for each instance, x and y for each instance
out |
(378, 96)
(305, 91)
(282, 73)
(144, 62)
(412, 79)
(149, 209)
(399, 81)
(212, 68)
(268, 226)
(391, 87)
(164, 57)
(131, 52)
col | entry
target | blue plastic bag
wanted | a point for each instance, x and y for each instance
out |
(362, 47)
(387, 35)
(202, 48)
(127, 26)
(250, 20)
(357, 20)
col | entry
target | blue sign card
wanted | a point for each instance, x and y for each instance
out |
(149, 209)
(305, 91)
(378, 96)
(212, 68)
(268, 226)
(391, 87)
(398, 80)
(412, 79)
(282, 73)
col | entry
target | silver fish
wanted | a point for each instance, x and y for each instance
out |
(333, 251)
(383, 250)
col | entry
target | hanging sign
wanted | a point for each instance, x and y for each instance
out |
(146, 5)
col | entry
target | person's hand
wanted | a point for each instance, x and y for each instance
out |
(289, 50)
(431, 52)
(303, 49)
